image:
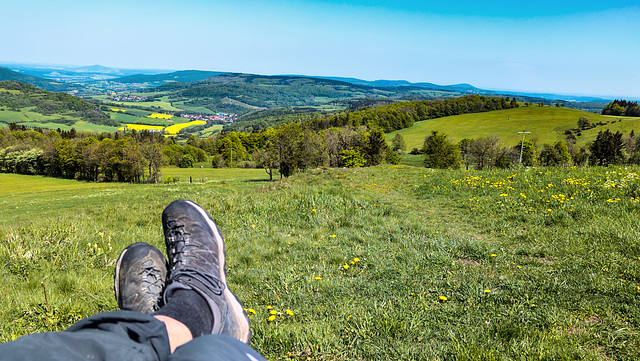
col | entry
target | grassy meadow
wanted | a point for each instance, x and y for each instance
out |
(547, 124)
(388, 262)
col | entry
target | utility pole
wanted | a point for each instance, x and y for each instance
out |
(522, 145)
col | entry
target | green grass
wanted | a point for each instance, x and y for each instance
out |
(25, 116)
(488, 265)
(207, 132)
(163, 104)
(547, 124)
(37, 120)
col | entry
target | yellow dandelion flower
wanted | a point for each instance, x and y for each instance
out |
(333, 236)
(346, 266)
(313, 210)
(251, 310)
(289, 312)
(318, 278)
(271, 318)
(487, 291)
(273, 312)
(269, 307)
(442, 298)
(356, 259)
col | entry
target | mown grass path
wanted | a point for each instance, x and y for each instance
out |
(390, 262)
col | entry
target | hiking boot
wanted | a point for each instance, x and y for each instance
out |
(139, 278)
(195, 249)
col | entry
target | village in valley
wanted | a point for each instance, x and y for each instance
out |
(218, 117)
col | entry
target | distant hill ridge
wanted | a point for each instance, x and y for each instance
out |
(182, 76)
(46, 84)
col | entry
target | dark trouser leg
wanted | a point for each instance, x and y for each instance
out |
(215, 347)
(110, 336)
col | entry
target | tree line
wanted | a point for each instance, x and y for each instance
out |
(109, 157)
(488, 152)
(622, 107)
(296, 147)
(139, 156)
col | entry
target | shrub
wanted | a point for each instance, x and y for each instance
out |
(186, 161)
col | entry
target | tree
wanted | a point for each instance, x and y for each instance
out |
(485, 151)
(584, 123)
(352, 158)
(465, 151)
(555, 155)
(398, 144)
(267, 159)
(375, 147)
(580, 156)
(439, 152)
(607, 148)
(529, 153)
(186, 161)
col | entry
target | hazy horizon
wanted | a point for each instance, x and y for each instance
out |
(587, 49)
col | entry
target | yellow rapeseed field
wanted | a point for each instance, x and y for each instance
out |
(160, 116)
(139, 127)
(174, 129)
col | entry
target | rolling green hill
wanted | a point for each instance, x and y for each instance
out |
(50, 85)
(546, 124)
(25, 104)
(183, 76)
(243, 93)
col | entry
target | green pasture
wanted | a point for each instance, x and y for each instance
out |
(25, 116)
(207, 132)
(37, 120)
(161, 104)
(10, 91)
(546, 124)
(123, 118)
(381, 263)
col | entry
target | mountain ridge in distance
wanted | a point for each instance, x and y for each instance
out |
(68, 74)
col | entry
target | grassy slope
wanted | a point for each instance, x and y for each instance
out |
(32, 119)
(541, 277)
(547, 124)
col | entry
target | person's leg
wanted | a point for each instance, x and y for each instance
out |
(139, 277)
(225, 348)
(197, 294)
(140, 273)
(110, 336)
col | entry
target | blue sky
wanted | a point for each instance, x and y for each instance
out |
(588, 47)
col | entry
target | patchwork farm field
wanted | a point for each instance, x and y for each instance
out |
(388, 262)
